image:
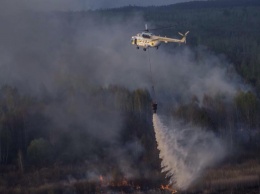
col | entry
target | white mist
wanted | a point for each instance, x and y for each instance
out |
(185, 152)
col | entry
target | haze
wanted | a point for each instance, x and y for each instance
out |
(78, 5)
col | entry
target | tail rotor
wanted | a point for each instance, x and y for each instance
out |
(184, 36)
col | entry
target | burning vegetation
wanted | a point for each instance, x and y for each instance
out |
(168, 188)
(107, 185)
(132, 186)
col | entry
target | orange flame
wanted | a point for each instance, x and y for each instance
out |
(124, 182)
(168, 187)
(101, 178)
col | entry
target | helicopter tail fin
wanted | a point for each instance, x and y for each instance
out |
(183, 40)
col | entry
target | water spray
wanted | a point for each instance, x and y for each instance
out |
(185, 151)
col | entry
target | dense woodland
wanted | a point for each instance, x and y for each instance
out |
(29, 140)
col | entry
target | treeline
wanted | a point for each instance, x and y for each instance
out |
(237, 121)
(30, 138)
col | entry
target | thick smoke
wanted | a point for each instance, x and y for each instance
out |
(185, 151)
(46, 52)
(50, 50)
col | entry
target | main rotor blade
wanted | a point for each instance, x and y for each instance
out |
(180, 34)
(161, 28)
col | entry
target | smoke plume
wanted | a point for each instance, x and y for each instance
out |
(185, 151)
(44, 52)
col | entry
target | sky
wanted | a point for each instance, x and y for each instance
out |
(78, 5)
(93, 4)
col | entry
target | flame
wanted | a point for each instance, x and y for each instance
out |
(106, 182)
(168, 188)
(101, 179)
(124, 182)
(103, 182)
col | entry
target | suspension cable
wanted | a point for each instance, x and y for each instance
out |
(151, 76)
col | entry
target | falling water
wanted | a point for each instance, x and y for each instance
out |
(185, 152)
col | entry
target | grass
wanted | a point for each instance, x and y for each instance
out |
(232, 177)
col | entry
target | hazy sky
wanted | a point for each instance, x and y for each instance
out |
(74, 5)
(93, 4)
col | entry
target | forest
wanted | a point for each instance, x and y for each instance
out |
(63, 136)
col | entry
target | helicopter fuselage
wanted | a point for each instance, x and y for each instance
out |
(145, 40)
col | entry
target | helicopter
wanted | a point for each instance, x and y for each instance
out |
(146, 39)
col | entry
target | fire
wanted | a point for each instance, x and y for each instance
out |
(101, 178)
(106, 182)
(168, 187)
(103, 182)
(124, 182)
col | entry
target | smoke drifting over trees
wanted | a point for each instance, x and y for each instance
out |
(72, 83)
(41, 50)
